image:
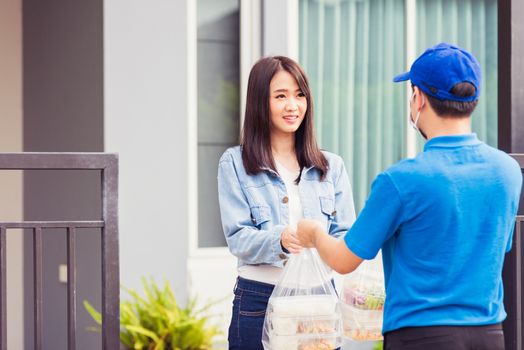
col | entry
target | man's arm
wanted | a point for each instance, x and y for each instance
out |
(333, 251)
(377, 222)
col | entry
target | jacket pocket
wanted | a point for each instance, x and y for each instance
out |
(260, 215)
(327, 205)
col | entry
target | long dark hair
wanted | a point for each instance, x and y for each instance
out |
(256, 140)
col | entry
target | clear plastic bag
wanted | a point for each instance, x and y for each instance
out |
(303, 311)
(363, 300)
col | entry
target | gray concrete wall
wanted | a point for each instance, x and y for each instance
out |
(280, 28)
(63, 111)
(11, 141)
(146, 121)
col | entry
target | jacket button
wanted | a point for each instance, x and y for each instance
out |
(253, 220)
(282, 256)
(334, 213)
(285, 199)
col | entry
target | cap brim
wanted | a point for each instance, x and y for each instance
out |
(401, 77)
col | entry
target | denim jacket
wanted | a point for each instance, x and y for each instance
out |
(254, 209)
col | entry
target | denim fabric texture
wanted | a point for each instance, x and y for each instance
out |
(254, 208)
(249, 310)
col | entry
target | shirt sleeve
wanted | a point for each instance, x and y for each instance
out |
(244, 239)
(379, 220)
(344, 205)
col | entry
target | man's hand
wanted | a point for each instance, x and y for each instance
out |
(289, 240)
(333, 251)
(307, 231)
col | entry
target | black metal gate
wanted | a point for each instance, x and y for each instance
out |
(513, 278)
(108, 166)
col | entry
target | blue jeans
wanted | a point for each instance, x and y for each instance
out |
(249, 310)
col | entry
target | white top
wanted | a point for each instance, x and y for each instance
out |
(267, 273)
(295, 206)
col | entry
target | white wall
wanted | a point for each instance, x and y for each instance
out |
(146, 122)
(11, 141)
(280, 28)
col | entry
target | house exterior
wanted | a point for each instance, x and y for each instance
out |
(162, 83)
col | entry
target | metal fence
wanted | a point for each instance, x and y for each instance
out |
(513, 278)
(108, 166)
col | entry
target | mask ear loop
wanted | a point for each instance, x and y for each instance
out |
(415, 122)
(418, 113)
(412, 122)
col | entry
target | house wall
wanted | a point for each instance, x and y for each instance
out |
(11, 141)
(280, 28)
(63, 112)
(146, 108)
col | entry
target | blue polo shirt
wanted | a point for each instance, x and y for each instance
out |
(444, 221)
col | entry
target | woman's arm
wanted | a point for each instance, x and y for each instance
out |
(244, 239)
(344, 205)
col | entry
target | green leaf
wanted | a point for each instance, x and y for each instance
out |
(94, 314)
(143, 331)
(378, 345)
(126, 339)
(155, 321)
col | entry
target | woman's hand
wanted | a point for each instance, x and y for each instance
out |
(289, 240)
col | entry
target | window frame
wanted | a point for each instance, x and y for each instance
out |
(250, 52)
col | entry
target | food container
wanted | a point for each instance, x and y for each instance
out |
(360, 324)
(362, 311)
(305, 342)
(304, 325)
(304, 322)
(303, 305)
(362, 296)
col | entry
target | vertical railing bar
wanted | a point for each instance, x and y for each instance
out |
(3, 289)
(110, 269)
(71, 288)
(37, 285)
(518, 280)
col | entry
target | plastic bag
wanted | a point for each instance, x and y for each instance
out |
(363, 300)
(303, 311)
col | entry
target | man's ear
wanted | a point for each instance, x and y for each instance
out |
(420, 97)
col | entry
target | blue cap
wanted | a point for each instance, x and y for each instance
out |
(440, 68)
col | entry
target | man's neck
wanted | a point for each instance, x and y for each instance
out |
(448, 126)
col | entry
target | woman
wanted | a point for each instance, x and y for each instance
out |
(277, 176)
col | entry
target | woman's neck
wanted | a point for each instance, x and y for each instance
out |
(283, 145)
(283, 149)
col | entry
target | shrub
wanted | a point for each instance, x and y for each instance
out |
(157, 322)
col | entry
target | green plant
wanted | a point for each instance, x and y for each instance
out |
(379, 345)
(157, 322)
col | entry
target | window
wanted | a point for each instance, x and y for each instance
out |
(218, 70)
(352, 49)
(471, 24)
